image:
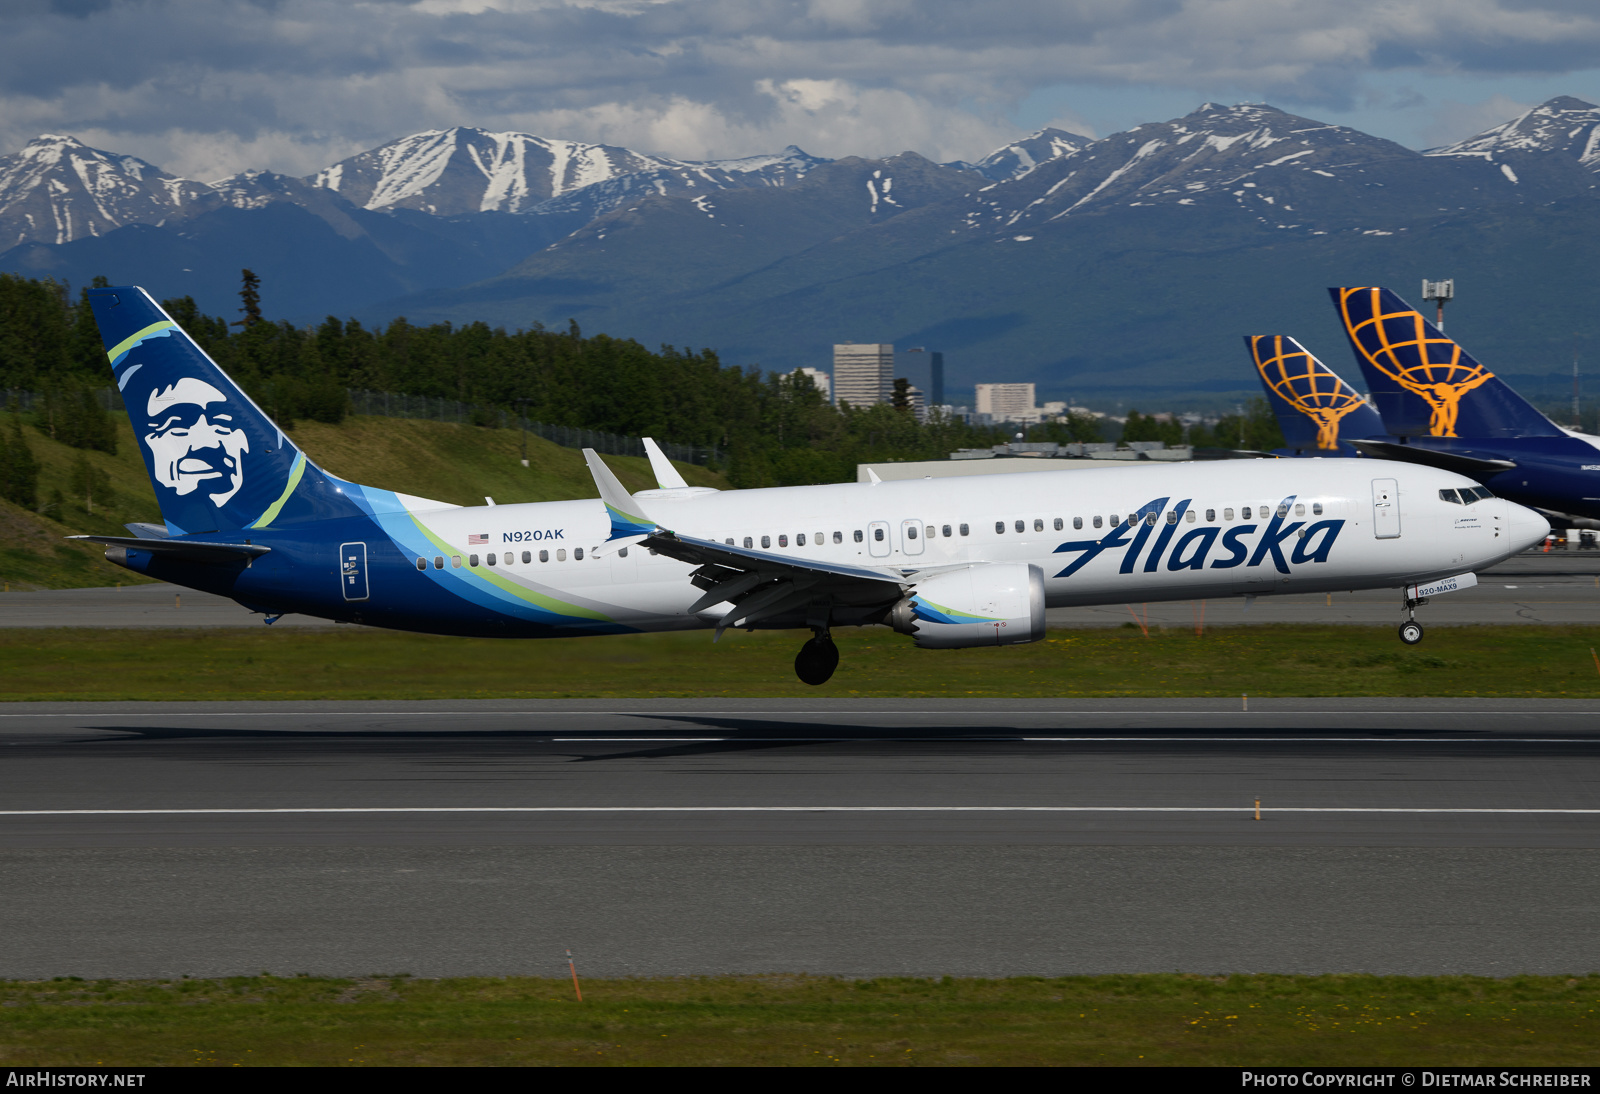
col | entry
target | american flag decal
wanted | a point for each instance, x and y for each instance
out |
(473, 541)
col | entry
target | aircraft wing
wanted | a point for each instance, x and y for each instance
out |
(186, 549)
(1431, 457)
(761, 584)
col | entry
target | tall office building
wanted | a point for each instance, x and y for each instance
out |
(1007, 402)
(863, 373)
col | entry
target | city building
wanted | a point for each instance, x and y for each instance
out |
(919, 402)
(823, 380)
(1006, 402)
(863, 373)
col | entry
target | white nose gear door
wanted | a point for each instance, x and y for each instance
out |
(1385, 509)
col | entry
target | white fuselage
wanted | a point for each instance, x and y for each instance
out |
(1199, 530)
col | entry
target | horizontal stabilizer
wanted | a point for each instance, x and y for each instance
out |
(1432, 457)
(187, 550)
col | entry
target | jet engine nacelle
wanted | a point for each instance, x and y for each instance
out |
(1000, 604)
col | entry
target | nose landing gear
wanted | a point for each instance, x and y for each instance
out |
(1411, 630)
(817, 659)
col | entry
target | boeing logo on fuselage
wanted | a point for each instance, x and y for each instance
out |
(1193, 548)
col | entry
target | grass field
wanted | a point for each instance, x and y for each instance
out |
(459, 464)
(798, 1020)
(355, 663)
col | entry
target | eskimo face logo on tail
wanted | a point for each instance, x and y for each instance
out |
(1397, 344)
(1300, 380)
(194, 444)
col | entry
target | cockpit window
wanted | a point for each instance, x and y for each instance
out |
(1451, 496)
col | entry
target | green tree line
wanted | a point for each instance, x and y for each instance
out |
(776, 430)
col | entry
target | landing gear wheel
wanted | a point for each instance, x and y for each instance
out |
(815, 662)
(1411, 632)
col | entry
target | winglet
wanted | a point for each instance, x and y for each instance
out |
(626, 517)
(667, 476)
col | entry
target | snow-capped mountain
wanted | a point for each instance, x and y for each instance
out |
(685, 177)
(1014, 160)
(1285, 171)
(58, 189)
(448, 172)
(1563, 124)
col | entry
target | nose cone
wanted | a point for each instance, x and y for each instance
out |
(1524, 527)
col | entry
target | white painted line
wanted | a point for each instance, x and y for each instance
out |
(656, 740)
(779, 809)
(776, 712)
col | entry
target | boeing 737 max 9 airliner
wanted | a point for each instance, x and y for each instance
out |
(957, 562)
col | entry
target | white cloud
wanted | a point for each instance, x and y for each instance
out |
(211, 86)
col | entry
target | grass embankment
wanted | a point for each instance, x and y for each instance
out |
(353, 663)
(460, 464)
(797, 1020)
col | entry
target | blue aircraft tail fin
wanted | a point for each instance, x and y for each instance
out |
(1426, 385)
(218, 464)
(1314, 406)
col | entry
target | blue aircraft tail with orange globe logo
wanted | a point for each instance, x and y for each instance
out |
(1316, 409)
(1424, 384)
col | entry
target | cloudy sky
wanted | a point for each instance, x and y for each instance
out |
(208, 87)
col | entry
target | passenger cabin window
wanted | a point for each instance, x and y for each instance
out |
(455, 562)
(577, 554)
(1097, 523)
(561, 554)
(999, 527)
(623, 553)
(964, 530)
(877, 534)
(1211, 516)
(946, 531)
(766, 541)
(1283, 509)
(438, 562)
(911, 532)
(422, 564)
(1299, 510)
(1172, 516)
(1077, 523)
(1150, 519)
(472, 560)
(544, 556)
(527, 557)
(800, 540)
(748, 542)
(1058, 524)
(1316, 508)
(838, 537)
(1244, 513)
(1227, 514)
(1116, 520)
(932, 531)
(857, 533)
(1020, 526)
(1190, 516)
(821, 539)
(491, 558)
(783, 541)
(1038, 525)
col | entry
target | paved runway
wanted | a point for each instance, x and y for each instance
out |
(853, 837)
(1561, 587)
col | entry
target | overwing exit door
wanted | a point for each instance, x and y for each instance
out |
(911, 537)
(1385, 509)
(353, 570)
(878, 539)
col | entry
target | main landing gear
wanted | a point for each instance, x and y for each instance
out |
(817, 659)
(1411, 630)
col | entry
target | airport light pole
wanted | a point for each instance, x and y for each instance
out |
(1439, 292)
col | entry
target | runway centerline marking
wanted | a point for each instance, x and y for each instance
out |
(774, 713)
(782, 809)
